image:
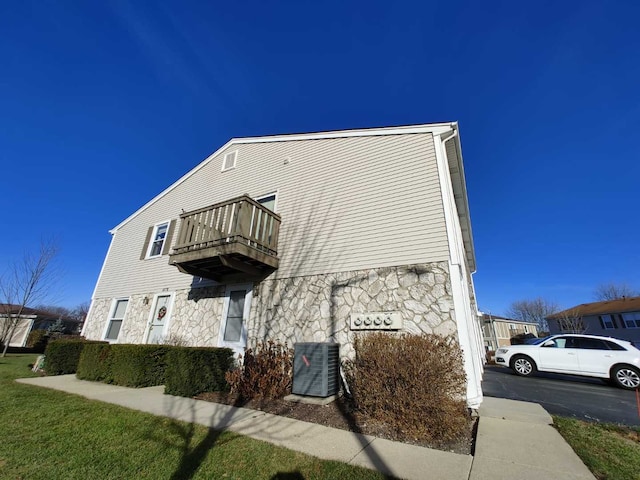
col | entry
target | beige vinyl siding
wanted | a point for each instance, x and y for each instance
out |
(345, 203)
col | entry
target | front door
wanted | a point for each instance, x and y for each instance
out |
(235, 315)
(159, 319)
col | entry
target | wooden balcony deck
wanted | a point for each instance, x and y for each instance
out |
(228, 241)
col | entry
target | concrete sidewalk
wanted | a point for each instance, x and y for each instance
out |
(515, 439)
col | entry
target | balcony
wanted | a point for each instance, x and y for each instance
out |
(230, 241)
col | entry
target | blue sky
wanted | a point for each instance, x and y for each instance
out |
(104, 104)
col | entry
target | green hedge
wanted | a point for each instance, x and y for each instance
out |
(62, 356)
(37, 340)
(193, 370)
(95, 363)
(138, 365)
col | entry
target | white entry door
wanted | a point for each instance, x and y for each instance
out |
(160, 315)
(235, 315)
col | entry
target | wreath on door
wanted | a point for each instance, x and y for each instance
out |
(162, 312)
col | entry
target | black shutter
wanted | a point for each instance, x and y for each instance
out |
(601, 322)
(143, 255)
(167, 238)
(622, 322)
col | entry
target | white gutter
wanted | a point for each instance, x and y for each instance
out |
(468, 332)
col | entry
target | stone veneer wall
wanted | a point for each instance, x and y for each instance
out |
(195, 317)
(301, 309)
(96, 320)
(317, 308)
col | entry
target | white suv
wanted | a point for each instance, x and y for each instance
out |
(587, 355)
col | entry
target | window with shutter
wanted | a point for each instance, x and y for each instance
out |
(158, 240)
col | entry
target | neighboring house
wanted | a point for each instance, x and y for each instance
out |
(297, 238)
(29, 319)
(497, 331)
(612, 318)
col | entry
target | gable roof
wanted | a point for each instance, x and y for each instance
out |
(12, 309)
(455, 164)
(620, 305)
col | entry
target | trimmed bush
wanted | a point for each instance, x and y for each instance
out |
(414, 385)
(137, 365)
(62, 356)
(266, 372)
(193, 370)
(37, 340)
(95, 363)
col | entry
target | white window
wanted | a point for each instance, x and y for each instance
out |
(261, 223)
(229, 161)
(512, 326)
(268, 201)
(158, 238)
(631, 320)
(118, 311)
(606, 321)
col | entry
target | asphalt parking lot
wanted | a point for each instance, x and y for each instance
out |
(584, 398)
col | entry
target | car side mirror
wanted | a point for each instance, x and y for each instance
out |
(549, 343)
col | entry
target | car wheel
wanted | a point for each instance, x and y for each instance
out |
(626, 377)
(523, 365)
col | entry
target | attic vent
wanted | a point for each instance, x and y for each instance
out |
(229, 161)
(315, 369)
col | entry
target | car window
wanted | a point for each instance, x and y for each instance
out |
(558, 342)
(614, 346)
(591, 344)
(572, 342)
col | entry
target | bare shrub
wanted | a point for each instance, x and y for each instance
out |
(174, 340)
(415, 385)
(490, 357)
(265, 373)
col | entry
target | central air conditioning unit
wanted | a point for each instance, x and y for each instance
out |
(316, 367)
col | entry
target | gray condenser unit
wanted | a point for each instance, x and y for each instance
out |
(315, 369)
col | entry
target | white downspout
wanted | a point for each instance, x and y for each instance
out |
(462, 307)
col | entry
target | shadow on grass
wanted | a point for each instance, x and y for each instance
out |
(287, 476)
(192, 454)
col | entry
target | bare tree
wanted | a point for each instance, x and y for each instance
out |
(614, 291)
(536, 310)
(78, 313)
(26, 281)
(81, 311)
(570, 321)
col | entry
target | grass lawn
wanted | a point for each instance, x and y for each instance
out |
(611, 452)
(45, 434)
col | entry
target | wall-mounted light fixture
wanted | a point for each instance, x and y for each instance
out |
(145, 301)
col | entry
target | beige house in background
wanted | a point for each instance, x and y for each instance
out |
(297, 238)
(497, 331)
(29, 319)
